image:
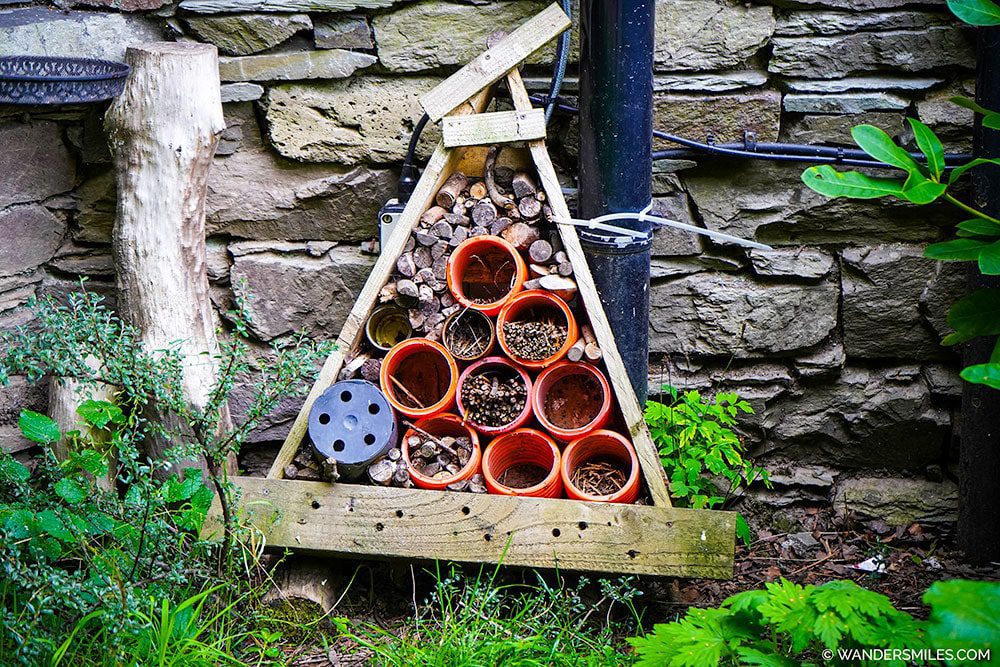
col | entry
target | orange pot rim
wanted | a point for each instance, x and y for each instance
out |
(443, 403)
(502, 489)
(572, 331)
(455, 284)
(629, 488)
(526, 412)
(568, 434)
(468, 470)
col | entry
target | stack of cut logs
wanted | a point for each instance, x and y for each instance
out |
(465, 208)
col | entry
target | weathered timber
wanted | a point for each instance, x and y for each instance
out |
(330, 519)
(499, 127)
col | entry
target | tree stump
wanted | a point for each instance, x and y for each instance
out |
(65, 396)
(163, 131)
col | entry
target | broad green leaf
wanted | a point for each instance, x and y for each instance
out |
(918, 189)
(20, 524)
(38, 427)
(880, 146)
(957, 172)
(100, 413)
(987, 374)
(829, 182)
(964, 615)
(956, 250)
(49, 522)
(980, 227)
(976, 12)
(89, 460)
(989, 260)
(956, 337)
(930, 145)
(743, 530)
(12, 470)
(976, 314)
(70, 490)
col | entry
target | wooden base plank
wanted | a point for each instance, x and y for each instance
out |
(356, 520)
(498, 127)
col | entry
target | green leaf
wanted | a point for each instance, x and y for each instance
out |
(880, 146)
(751, 656)
(100, 413)
(12, 470)
(930, 145)
(743, 530)
(987, 374)
(963, 614)
(976, 314)
(70, 490)
(980, 227)
(20, 524)
(959, 171)
(991, 119)
(989, 260)
(90, 460)
(49, 522)
(829, 182)
(956, 250)
(38, 427)
(976, 12)
(918, 189)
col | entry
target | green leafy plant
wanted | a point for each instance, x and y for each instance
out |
(787, 624)
(700, 451)
(928, 180)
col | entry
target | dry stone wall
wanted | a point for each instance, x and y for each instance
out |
(833, 337)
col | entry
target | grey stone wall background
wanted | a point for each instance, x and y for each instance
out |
(833, 337)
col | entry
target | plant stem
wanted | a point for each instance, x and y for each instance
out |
(968, 209)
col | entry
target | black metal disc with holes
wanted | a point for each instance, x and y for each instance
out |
(353, 423)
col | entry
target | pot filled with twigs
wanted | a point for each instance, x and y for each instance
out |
(601, 467)
(536, 329)
(494, 396)
(468, 334)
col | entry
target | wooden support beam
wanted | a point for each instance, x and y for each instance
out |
(499, 127)
(234, 6)
(442, 162)
(352, 520)
(649, 457)
(493, 64)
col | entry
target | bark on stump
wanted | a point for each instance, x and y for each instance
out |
(163, 131)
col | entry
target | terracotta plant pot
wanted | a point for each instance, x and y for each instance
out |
(601, 447)
(419, 377)
(522, 452)
(496, 364)
(440, 426)
(485, 272)
(571, 399)
(537, 305)
(464, 324)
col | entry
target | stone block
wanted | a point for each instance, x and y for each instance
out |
(821, 129)
(899, 501)
(843, 103)
(34, 162)
(296, 65)
(31, 236)
(713, 82)
(293, 290)
(245, 34)
(40, 32)
(362, 119)
(718, 314)
(869, 83)
(241, 92)
(709, 34)
(806, 263)
(916, 51)
(343, 32)
(724, 116)
(839, 22)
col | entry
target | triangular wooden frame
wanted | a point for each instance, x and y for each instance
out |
(356, 519)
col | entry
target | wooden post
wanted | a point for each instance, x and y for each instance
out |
(163, 131)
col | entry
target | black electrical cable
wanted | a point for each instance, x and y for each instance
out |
(409, 174)
(562, 59)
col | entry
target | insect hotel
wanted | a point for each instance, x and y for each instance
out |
(476, 408)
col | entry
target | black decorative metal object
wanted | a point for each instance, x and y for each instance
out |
(37, 80)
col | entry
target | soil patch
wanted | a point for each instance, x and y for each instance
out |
(573, 401)
(523, 475)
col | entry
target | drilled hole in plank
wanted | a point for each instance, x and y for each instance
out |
(379, 526)
(487, 537)
(399, 513)
(582, 525)
(631, 553)
(556, 532)
(315, 504)
(466, 510)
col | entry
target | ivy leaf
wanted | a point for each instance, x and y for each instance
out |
(958, 172)
(880, 146)
(38, 427)
(70, 490)
(930, 145)
(12, 471)
(976, 12)
(979, 227)
(829, 182)
(100, 413)
(987, 374)
(976, 314)
(991, 119)
(956, 250)
(989, 260)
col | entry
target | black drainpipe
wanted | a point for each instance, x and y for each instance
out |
(616, 166)
(979, 467)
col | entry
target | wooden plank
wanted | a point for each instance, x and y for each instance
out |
(499, 127)
(438, 168)
(646, 450)
(230, 6)
(356, 520)
(493, 64)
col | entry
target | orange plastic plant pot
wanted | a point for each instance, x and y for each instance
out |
(440, 426)
(485, 272)
(419, 378)
(495, 363)
(564, 403)
(523, 446)
(601, 445)
(538, 302)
